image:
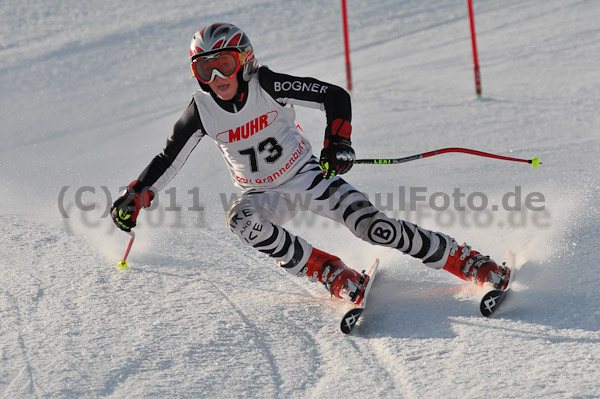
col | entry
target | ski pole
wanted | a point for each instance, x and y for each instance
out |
(535, 161)
(122, 263)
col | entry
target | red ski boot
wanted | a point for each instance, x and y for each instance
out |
(339, 279)
(471, 265)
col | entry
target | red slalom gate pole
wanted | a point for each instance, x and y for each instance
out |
(474, 44)
(346, 46)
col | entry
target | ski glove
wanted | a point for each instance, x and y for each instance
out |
(337, 156)
(126, 208)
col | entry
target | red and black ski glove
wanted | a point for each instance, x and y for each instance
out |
(337, 156)
(126, 208)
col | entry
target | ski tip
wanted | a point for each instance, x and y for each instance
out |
(509, 256)
(374, 266)
(509, 261)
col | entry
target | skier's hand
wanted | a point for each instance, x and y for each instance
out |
(126, 208)
(337, 157)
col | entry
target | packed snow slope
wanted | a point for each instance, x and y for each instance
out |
(90, 90)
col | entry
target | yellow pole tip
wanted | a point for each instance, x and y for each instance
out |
(122, 264)
(535, 162)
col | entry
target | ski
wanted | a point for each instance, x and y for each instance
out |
(491, 301)
(351, 317)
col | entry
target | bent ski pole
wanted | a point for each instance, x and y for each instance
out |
(535, 161)
(122, 264)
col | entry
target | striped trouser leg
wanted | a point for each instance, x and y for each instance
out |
(251, 217)
(339, 201)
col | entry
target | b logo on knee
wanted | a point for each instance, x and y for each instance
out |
(382, 232)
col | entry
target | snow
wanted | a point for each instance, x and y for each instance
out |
(90, 90)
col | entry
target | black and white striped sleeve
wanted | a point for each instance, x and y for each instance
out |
(187, 133)
(307, 92)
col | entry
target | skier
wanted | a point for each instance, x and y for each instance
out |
(247, 109)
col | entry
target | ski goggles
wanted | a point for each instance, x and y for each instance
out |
(224, 64)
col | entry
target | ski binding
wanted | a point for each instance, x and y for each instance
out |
(353, 315)
(491, 301)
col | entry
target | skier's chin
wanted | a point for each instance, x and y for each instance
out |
(224, 90)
